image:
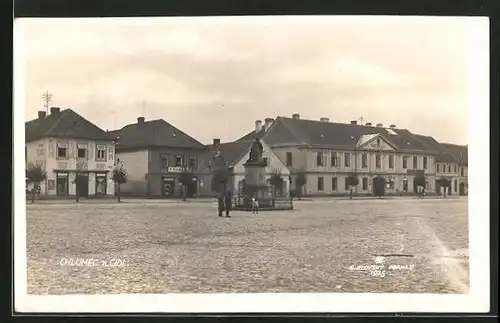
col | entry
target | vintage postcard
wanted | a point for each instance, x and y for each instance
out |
(252, 164)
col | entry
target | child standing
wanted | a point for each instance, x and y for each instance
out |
(255, 205)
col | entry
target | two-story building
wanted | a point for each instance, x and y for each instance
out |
(329, 153)
(452, 164)
(236, 154)
(69, 147)
(155, 154)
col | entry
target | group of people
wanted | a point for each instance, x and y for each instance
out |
(225, 204)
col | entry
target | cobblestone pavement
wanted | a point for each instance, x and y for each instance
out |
(321, 246)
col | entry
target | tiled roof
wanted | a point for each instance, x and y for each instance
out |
(233, 152)
(459, 153)
(64, 124)
(154, 133)
(311, 132)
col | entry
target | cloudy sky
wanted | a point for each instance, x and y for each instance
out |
(213, 77)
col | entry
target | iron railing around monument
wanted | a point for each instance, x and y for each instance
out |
(243, 203)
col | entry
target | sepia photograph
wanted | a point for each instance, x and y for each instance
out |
(252, 164)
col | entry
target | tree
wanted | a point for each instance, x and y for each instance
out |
(276, 181)
(419, 181)
(379, 186)
(185, 178)
(443, 182)
(119, 176)
(352, 181)
(35, 174)
(300, 181)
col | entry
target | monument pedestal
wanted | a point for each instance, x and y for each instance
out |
(255, 180)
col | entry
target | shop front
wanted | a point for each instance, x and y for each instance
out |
(82, 182)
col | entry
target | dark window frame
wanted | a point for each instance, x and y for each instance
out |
(347, 159)
(321, 183)
(335, 184)
(289, 158)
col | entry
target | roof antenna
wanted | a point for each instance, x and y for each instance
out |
(361, 119)
(47, 97)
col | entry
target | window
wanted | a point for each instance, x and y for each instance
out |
(364, 160)
(347, 160)
(62, 150)
(334, 160)
(415, 162)
(81, 150)
(289, 158)
(405, 185)
(462, 172)
(455, 185)
(391, 161)
(321, 184)
(437, 168)
(266, 160)
(192, 163)
(100, 152)
(425, 162)
(178, 161)
(334, 183)
(319, 158)
(378, 162)
(365, 183)
(449, 168)
(164, 161)
(405, 162)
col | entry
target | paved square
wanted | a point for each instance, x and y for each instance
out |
(322, 246)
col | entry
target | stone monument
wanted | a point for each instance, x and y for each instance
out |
(255, 171)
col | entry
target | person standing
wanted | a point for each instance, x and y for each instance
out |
(228, 203)
(220, 204)
(255, 205)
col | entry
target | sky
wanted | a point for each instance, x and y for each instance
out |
(213, 77)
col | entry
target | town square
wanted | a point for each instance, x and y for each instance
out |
(164, 246)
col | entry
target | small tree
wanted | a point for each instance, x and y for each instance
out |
(443, 182)
(419, 182)
(352, 181)
(35, 174)
(185, 178)
(379, 186)
(276, 181)
(300, 181)
(119, 177)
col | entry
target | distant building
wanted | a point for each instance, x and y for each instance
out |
(452, 163)
(328, 153)
(235, 154)
(67, 145)
(155, 154)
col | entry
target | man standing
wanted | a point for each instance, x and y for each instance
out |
(228, 202)
(220, 202)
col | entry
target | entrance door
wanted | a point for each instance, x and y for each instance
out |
(82, 185)
(462, 188)
(168, 185)
(449, 189)
(192, 188)
(100, 184)
(62, 184)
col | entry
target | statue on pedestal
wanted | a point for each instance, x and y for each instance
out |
(256, 152)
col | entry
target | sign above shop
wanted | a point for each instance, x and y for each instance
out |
(178, 169)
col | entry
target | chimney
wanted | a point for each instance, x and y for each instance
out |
(54, 110)
(268, 122)
(258, 125)
(216, 142)
(379, 125)
(324, 120)
(296, 116)
(354, 122)
(41, 115)
(392, 126)
(140, 120)
(369, 124)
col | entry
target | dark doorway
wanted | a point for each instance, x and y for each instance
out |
(405, 185)
(100, 184)
(62, 184)
(168, 186)
(462, 189)
(449, 189)
(192, 188)
(82, 185)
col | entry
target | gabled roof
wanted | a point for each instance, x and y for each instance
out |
(64, 124)
(366, 138)
(312, 132)
(233, 152)
(154, 133)
(458, 153)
